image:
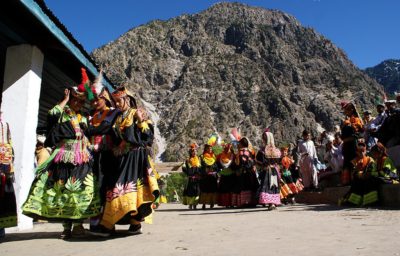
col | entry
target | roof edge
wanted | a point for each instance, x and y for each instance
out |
(76, 50)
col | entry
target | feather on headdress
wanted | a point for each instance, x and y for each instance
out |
(97, 86)
(84, 86)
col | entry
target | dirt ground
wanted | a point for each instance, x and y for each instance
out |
(289, 230)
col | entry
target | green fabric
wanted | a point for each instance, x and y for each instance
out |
(64, 117)
(286, 173)
(390, 166)
(190, 200)
(355, 199)
(370, 198)
(76, 199)
(9, 221)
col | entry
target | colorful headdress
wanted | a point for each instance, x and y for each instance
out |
(76, 93)
(122, 92)
(99, 90)
(268, 137)
(214, 140)
(84, 86)
(193, 146)
(272, 152)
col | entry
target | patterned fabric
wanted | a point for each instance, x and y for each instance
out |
(132, 187)
(266, 198)
(64, 187)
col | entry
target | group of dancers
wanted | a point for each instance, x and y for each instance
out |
(239, 176)
(100, 166)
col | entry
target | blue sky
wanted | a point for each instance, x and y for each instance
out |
(367, 30)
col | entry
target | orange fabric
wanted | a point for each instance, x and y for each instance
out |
(224, 157)
(96, 120)
(286, 162)
(355, 122)
(194, 161)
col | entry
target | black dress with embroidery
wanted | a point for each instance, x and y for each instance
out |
(102, 143)
(269, 190)
(208, 181)
(247, 183)
(191, 192)
(64, 187)
(132, 187)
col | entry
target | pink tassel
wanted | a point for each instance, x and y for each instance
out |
(77, 153)
(58, 157)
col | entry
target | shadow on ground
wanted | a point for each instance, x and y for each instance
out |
(13, 237)
(283, 208)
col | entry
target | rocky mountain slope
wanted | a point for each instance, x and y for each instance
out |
(387, 73)
(233, 65)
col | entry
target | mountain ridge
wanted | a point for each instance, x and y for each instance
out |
(235, 65)
(387, 73)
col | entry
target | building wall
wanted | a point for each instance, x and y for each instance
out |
(20, 105)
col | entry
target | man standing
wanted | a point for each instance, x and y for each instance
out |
(308, 159)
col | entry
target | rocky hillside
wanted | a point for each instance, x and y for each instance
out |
(233, 65)
(387, 73)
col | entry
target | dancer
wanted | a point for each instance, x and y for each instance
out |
(267, 160)
(208, 181)
(247, 180)
(64, 188)
(192, 168)
(132, 187)
(227, 176)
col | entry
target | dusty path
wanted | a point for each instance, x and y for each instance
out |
(290, 230)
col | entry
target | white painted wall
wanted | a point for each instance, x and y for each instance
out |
(20, 107)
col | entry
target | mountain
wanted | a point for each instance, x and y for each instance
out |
(387, 73)
(234, 65)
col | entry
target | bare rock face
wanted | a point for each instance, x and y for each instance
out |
(235, 66)
(387, 73)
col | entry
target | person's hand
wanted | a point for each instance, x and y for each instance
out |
(66, 95)
(66, 98)
(141, 114)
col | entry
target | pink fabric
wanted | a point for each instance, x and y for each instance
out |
(266, 198)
